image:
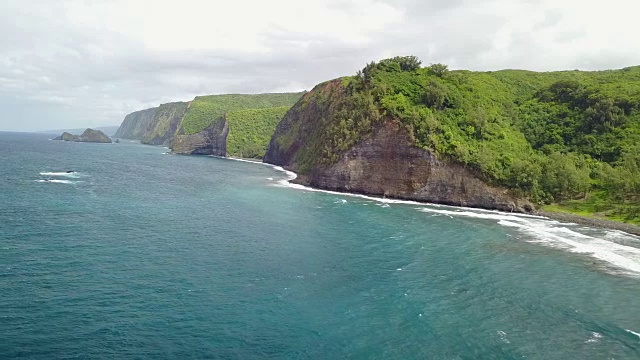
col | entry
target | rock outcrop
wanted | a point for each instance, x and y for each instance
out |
(210, 141)
(89, 135)
(383, 163)
(67, 137)
(135, 125)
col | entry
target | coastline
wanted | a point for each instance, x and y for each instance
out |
(559, 216)
(591, 221)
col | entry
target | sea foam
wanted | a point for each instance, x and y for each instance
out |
(56, 181)
(632, 332)
(61, 174)
(539, 229)
(564, 236)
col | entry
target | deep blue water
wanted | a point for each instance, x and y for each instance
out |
(140, 254)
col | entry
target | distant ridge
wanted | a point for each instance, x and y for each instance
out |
(201, 126)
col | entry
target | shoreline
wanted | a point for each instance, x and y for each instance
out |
(558, 216)
(591, 221)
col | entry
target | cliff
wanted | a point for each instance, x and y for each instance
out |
(384, 162)
(165, 124)
(135, 125)
(201, 126)
(210, 141)
(493, 140)
(89, 135)
(247, 118)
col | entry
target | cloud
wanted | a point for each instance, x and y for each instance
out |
(88, 63)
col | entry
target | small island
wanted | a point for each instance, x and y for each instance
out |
(89, 135)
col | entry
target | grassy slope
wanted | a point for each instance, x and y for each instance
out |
(162, 119)
(250, 130)
(205, 109)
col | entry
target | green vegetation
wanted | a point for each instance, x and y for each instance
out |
(250, 130)
(570, 138)
(164, 117)
(204, 110)
(339, 118)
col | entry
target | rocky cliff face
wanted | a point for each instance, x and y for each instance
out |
(89, 135)
(387, 164)
(210, 141)
(135, 125)
(165, 124)
(384, 162)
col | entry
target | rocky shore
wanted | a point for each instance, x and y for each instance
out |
(591, 221)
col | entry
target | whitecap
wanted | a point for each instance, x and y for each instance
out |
(595, 337)
(57, 181)
(503, 336)
(632, 332)
(59, 174)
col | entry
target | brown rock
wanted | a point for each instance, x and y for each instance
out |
(210, 141)
(386, 164)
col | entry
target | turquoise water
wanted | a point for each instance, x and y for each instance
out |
(140, 254)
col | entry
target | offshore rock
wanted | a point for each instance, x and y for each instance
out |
(89, 135)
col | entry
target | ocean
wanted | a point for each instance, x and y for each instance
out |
(141, 254)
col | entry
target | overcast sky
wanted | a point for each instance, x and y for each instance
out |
(68, 64)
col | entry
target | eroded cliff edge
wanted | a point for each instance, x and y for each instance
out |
(210, 141)
(384, 162)
(165, 124)
(135, 125)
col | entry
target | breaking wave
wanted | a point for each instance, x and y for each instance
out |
(604, 245)
(619, 250)
(632, 332)
(56, 181)
(72, 174)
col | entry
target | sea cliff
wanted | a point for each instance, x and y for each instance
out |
(201, 126)
(165, 124)
(510, 140)
(384, 162)
(135, 125)
(504, 140)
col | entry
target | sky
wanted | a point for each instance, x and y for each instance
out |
(74, 64)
